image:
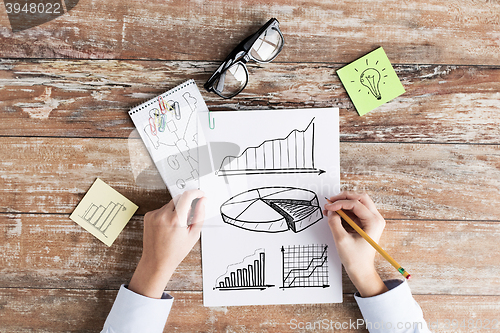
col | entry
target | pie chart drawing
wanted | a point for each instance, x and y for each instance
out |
(272, 209)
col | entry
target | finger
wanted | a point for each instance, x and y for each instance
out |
(346, 195)
(368, 202)
(198, 218)
(364, 198)
(336, 227)
(183, 206)
(357, 208)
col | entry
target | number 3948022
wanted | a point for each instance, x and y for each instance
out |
(33, 8)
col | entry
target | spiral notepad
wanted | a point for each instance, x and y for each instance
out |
(169, 128)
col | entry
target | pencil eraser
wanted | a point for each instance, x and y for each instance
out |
(408, 277)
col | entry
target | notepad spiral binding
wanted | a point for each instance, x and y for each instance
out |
(149, 102)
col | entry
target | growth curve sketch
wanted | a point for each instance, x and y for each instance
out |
(305, 266)
(101, 217)
(245, 275)
(291, 154)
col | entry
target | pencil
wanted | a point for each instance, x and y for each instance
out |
(372, 243)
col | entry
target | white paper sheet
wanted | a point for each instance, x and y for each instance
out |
(266, 240)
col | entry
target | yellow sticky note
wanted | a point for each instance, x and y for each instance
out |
(370, 81)
(103, 212)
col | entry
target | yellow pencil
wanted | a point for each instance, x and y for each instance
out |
(372, 243)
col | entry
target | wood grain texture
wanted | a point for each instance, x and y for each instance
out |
(418, 31)
(67, 310)
(430, 159)
(51, 175)
(443, 104)
(51, 251)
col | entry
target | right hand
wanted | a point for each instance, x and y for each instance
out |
(356, 254)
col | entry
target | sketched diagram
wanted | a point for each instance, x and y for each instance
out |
(250, 273)
(371, 78)
(272, 209)
(101, 217)
(305, 266)
(291, 154)
(173, 126)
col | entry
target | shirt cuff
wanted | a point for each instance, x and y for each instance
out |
(133, 313)
(393, 311)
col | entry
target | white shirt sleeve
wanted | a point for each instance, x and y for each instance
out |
(134, 313)
(394, 311)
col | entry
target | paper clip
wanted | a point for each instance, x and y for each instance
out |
(211, 121)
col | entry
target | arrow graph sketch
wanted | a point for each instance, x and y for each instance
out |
(247, 274)
(305, 266)
(291, 154)
(101, 217)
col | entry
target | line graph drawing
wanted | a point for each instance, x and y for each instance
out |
(248, 274)
(305, 266)
(101, 217)
(291, 154)
(272, 209)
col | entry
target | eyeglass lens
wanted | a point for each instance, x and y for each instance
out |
(267, 45)
(232, 81)
(235, 78)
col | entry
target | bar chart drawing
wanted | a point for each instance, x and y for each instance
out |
(305, 266)
(248, 274)
(101, 217)
(291, 154)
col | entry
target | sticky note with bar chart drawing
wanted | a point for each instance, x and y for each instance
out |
(103, 212)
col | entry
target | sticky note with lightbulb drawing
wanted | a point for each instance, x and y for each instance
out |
(370, 81)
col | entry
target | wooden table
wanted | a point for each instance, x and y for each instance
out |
(430, 159)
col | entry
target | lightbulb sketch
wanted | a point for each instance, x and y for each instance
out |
(371, 79)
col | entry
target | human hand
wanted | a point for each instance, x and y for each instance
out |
(169, 234)
(356, 254)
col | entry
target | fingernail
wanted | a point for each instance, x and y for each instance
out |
(330, 213)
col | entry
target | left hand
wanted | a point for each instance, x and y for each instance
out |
(169, 235)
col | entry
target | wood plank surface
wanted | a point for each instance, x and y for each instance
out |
(51, 251)
(430, 158)
(439, 181)
(63, 310)
(442, 104)
(416, 32)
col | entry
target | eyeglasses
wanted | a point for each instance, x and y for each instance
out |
(232, 75)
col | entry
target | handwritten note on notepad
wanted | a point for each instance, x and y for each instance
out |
(370, 81)
(103, 212)
(169, 128)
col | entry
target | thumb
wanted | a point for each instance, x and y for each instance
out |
(198, 218)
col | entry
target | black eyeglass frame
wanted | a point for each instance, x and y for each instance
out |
(241, 54)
